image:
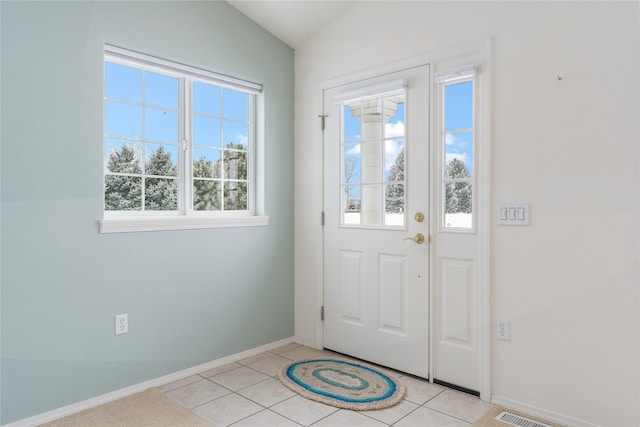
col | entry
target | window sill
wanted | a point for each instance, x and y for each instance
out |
(166, 223)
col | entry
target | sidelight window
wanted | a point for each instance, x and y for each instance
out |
(456, 94)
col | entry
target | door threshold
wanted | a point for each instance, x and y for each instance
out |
(457, 387)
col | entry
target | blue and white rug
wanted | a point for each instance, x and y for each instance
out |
(342, 384)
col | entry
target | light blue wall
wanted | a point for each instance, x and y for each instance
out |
(191, 296)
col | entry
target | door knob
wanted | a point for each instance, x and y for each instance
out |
(418, 238)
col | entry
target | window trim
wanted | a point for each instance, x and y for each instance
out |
(173, 222)
(186, 218)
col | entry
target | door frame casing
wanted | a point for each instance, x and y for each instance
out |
(480, 53)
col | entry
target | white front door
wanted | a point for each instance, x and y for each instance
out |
(376, 187)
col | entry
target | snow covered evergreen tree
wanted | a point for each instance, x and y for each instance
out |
(394, 194)
(160, 180)
(161, 194)
(206, 194)
(123, 193)
(458, 194)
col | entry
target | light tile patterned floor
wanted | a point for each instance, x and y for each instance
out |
(247, 393)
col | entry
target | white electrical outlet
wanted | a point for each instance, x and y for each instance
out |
(504, 330)
(122, 324)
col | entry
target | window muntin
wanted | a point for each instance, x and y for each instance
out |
(372, 172)
(457, 154)
(177, 141)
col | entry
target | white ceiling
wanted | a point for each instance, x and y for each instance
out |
(292, 21)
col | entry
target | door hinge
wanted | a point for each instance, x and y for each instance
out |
(322, 218)
(322, 313)
(322, 120)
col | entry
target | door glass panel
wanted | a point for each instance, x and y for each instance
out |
(459, 146)
(352, 159)
(371, 204)
(394, 160)
(372, 175)
(458, 205)
(394, 204)
(372, 120)
(394, 107)
(458, 108)
(352, 130)
(458, 156)
(394, 177)
(351, 204)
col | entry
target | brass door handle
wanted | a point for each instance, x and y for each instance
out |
(418, 238)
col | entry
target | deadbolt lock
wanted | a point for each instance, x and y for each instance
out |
(419, 217)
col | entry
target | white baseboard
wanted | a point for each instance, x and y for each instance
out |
(540, 413)
(136, 388)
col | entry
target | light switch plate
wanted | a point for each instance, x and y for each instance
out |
(513, 214)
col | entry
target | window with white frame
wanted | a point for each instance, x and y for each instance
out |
(372, 146)
(456, 94)
(178, 141)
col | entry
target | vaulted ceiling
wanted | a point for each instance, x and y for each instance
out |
(292, 21)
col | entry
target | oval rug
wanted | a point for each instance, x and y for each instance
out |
(342, 384)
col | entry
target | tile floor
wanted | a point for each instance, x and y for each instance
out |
(247, 393)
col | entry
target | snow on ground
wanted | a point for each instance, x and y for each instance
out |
(459, 220)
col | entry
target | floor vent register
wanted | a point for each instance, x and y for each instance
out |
(518, 421)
